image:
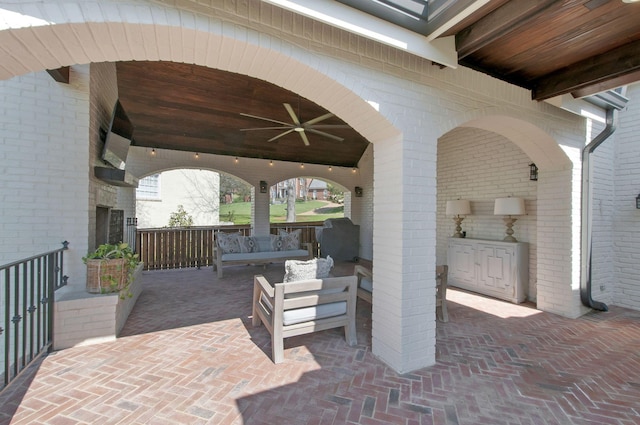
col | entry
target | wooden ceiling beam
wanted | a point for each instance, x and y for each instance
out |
(511, 16)
(61, 75)
(617, 67)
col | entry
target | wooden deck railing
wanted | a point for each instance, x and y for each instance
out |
(174, 248)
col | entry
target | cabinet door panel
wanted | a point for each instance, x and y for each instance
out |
(496, 265)
(462, 264)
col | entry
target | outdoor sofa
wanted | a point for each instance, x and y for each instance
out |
(234, 249)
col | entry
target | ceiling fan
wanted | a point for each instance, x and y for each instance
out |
(301, 128)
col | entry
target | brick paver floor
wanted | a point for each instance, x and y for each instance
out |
(189, 355)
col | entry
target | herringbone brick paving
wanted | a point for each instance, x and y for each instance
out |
(189, 355)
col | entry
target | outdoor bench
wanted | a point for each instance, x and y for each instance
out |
(256, 250)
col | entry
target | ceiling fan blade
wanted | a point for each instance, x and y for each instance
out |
(318, 119)
(304, 138)
(322, 133)
(326, 126)
(265, 119)
(280, 135)
(266, 128)
(294, 117)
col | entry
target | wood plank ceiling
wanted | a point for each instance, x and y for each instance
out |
(554, 47)
(550, 47)
(192, 108)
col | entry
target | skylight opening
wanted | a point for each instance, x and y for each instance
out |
(415, 9)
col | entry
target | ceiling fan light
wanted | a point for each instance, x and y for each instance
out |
(299, 129)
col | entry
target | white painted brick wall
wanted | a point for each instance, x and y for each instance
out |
(44, 167)
(602, 210)
(481, 166)
(362, 213)
(626, 222)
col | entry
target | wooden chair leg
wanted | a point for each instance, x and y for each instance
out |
(350, 334)
(277, 349)
(443, 311)
(255, 318)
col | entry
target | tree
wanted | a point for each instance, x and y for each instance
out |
(335, 195)
(203, 190)
(291, 201)
(230, 185)
(180, 218)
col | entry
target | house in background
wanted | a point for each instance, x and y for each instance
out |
(305, 187)
(159, 195)
(318, 190)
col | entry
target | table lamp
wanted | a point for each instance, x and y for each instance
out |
(457, 209)
(509, 207)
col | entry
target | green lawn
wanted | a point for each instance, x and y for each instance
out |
(241, 212)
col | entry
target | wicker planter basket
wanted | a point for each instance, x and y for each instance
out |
(106, 276)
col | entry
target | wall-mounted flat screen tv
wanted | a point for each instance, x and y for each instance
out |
(118, 138)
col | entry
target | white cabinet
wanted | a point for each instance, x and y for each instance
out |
(495, 268)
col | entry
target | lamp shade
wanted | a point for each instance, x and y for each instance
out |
(509, 206)
(458, 207)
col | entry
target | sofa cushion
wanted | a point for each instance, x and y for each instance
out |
(317, 268)
(268, 255)
(228, 242)
(306, 314)
(322, 311)
(290, 240)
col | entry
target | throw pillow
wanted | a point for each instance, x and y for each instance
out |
(317, 268)
(228, 242)
(276, 243)
(290, 240)
(247, 244)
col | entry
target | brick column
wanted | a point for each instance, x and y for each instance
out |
(260, 211)
(404, 253)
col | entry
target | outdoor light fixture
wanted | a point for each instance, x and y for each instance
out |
(263, 186)
(330, 168)
(271, 163)
(638, 201)
(236, 159)
(153, 151)
(358, 191)
(457, 209)
(197, 155)
(509, 207)
(533, 172)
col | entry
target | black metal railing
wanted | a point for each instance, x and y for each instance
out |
(26, 319)
(132, 227)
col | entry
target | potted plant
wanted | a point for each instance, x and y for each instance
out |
(110, 268)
